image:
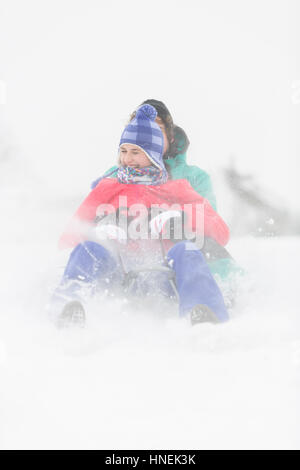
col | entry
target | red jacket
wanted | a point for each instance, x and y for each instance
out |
(179, 192)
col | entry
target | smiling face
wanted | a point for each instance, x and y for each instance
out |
(133, 156)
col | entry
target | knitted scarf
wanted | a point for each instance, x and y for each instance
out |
(149, 175)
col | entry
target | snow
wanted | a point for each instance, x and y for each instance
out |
(140, 380)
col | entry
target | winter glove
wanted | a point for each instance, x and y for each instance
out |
(164, 225)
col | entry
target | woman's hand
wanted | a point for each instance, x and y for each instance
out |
(111, 232)
(160, 224)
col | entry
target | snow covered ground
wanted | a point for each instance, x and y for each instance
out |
(139, 380)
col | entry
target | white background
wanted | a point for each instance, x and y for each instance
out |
(71, 73)
(228, 70)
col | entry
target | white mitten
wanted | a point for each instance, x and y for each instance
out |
(158, 223)
(111, 232)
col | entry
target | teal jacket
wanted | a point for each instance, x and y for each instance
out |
(198, 178)
(179, 169)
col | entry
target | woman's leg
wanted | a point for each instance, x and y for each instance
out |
(89, 262)
(195, 283)
(90, 266)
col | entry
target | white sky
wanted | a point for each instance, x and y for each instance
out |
(74, 70)
(229, 71)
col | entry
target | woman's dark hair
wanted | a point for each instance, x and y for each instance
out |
(172, 131)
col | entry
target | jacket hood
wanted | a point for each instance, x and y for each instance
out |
(181, 139)
(179, 147)
(182, 143)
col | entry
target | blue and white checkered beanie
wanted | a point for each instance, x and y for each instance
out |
(144, 132)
